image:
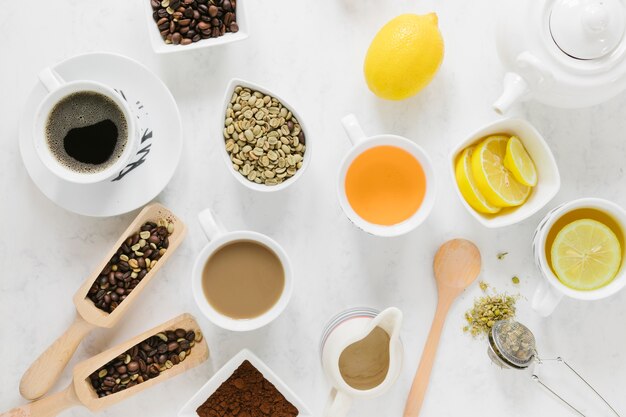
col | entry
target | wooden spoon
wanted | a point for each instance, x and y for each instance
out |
(80, 391)
(44, 372)
(456, 266)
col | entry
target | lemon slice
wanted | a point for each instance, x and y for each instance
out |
(494, 181)
(586, 255)
(520, 163)
(467, 185)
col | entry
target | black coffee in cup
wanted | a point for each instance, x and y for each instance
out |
(86, 132)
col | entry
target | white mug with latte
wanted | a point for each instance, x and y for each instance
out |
(241, 280)
(84, 131)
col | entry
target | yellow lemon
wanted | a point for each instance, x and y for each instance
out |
(586, 255)
(494, 181)
(520, 163)
(404, 56)
(467, 185)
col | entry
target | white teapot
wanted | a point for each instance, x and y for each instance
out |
(564, 53)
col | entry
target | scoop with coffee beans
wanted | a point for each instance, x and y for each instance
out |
(131, 263)
(144, 361)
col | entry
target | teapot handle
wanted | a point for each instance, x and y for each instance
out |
(338, 405)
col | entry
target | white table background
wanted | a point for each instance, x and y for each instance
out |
(311, 53)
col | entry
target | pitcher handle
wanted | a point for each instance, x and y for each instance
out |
(545, 299)
(339, 404)
(211, 227)
(50, 79)
(353, 129)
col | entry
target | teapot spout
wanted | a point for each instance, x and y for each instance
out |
(515, 89)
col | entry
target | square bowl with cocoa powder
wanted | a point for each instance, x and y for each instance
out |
(240, 378)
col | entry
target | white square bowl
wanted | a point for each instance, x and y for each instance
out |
(160, 47)
(189, 409)
(547, 171)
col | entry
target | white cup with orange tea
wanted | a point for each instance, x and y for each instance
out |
(386, 182)
(241, 280)
(579, 249)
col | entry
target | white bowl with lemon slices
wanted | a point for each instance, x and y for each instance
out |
(504, 172)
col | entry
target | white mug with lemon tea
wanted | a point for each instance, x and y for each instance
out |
(241, 280)
(386, 182)
(579, 250)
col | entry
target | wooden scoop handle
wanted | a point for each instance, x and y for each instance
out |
(46, 407)
(45, 371)
(422, 377)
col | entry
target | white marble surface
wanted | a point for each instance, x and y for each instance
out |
(312, 53)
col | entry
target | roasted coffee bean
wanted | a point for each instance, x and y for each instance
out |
(153, 371)
(128, 266)
(182, 22)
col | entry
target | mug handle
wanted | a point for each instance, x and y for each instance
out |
(339, 404)
(210, 226)
(545, 299)
(353, 129)
(50, 79)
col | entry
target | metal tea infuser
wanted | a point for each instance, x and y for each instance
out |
(512, 345)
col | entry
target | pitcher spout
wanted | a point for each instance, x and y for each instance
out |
(390, 320)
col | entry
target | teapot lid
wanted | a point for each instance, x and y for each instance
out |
(587, 29)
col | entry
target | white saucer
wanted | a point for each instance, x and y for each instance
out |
(160, 149)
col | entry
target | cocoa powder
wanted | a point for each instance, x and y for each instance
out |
(246, 393)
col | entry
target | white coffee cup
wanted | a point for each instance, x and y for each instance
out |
(361, 143)
(218, 238)
(550, 290)
(59, 89)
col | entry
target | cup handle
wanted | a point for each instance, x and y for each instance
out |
(50, 79)
(210, 226)
(545, 299)
(339, 404)
(353, 129)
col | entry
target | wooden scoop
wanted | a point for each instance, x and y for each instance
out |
(80, 391)
(456, 266)
(44, 372)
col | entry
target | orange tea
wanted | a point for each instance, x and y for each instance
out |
(385, 185)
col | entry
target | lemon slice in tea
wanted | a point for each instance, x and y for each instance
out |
(520, 163)
(586, 255)
(494, 181)
(467, 185)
